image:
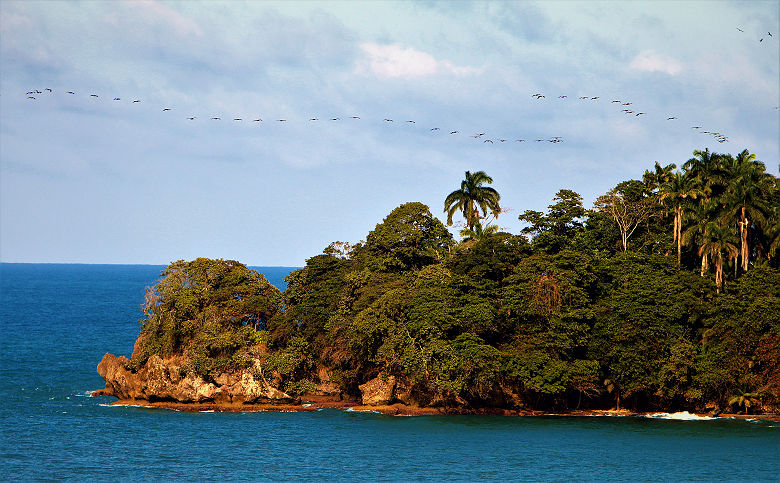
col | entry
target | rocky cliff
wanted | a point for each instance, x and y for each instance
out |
(165, 380)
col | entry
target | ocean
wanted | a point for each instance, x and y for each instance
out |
(58, 320)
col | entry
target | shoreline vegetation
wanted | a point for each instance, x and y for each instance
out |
(662, 298)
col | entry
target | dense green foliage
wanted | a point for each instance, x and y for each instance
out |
(211, 311)
(665, 296)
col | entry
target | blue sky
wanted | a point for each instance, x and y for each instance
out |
(96, 180)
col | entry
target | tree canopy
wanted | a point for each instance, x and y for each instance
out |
(665, 296)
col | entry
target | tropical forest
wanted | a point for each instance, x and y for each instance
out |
(664, 295)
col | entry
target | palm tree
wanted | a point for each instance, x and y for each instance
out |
(746, 196)
(718, 241)
(694, 234)
(478, 232)
(702, 168)
(745, 399)
(471, 198)
(654, 180)
(679, 189)
(768, 236)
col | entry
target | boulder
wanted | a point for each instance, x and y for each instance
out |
(378, 391)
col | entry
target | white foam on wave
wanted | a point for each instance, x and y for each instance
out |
(680, 416)
(109, 405)
(362, 411)
(84, 394)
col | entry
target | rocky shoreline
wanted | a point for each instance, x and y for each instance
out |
(163, 383)
(400, 409)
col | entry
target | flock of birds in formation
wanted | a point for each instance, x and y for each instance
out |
(626, 108)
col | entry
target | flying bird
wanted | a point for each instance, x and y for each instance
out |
(191, 118)
(411, 122)
(167, 109)
(93, 95)
(71, 92)
(30, 97)
(282, 120)
(314, 119)
(488, 141)
(562, 97)
(740, 30)
(256, 120)
(117, 99)
(616, 101)
(434, 129)
(355, 117)
(389, 120)
(695, 127)
(47, 89)
(639, 113)
(236, 118)
(594, 98)
(670, 118)
(454, 132)
(520, 140)
(215, 118)
(136, 101)
(335, 119)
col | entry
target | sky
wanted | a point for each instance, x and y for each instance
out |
(87, 179)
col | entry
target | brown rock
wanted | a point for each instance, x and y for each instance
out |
(378, 391)
(163, 380)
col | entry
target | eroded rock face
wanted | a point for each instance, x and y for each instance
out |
(163, 380)
(378, 391)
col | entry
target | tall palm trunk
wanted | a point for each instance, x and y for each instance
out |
(677, 231)
(704, 265)
(743, 235)
(719, 272)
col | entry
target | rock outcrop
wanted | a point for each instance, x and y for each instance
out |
(379, 391)
(165, 380)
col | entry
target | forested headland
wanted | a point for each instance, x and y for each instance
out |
(665, 295)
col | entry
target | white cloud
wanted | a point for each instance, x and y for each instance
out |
(651, 61)
(154, 11)
(395, 61)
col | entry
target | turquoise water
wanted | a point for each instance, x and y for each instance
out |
(59, 320)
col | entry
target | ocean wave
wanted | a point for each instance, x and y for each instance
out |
(680, 416)
(352, 410)
(109, 405)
